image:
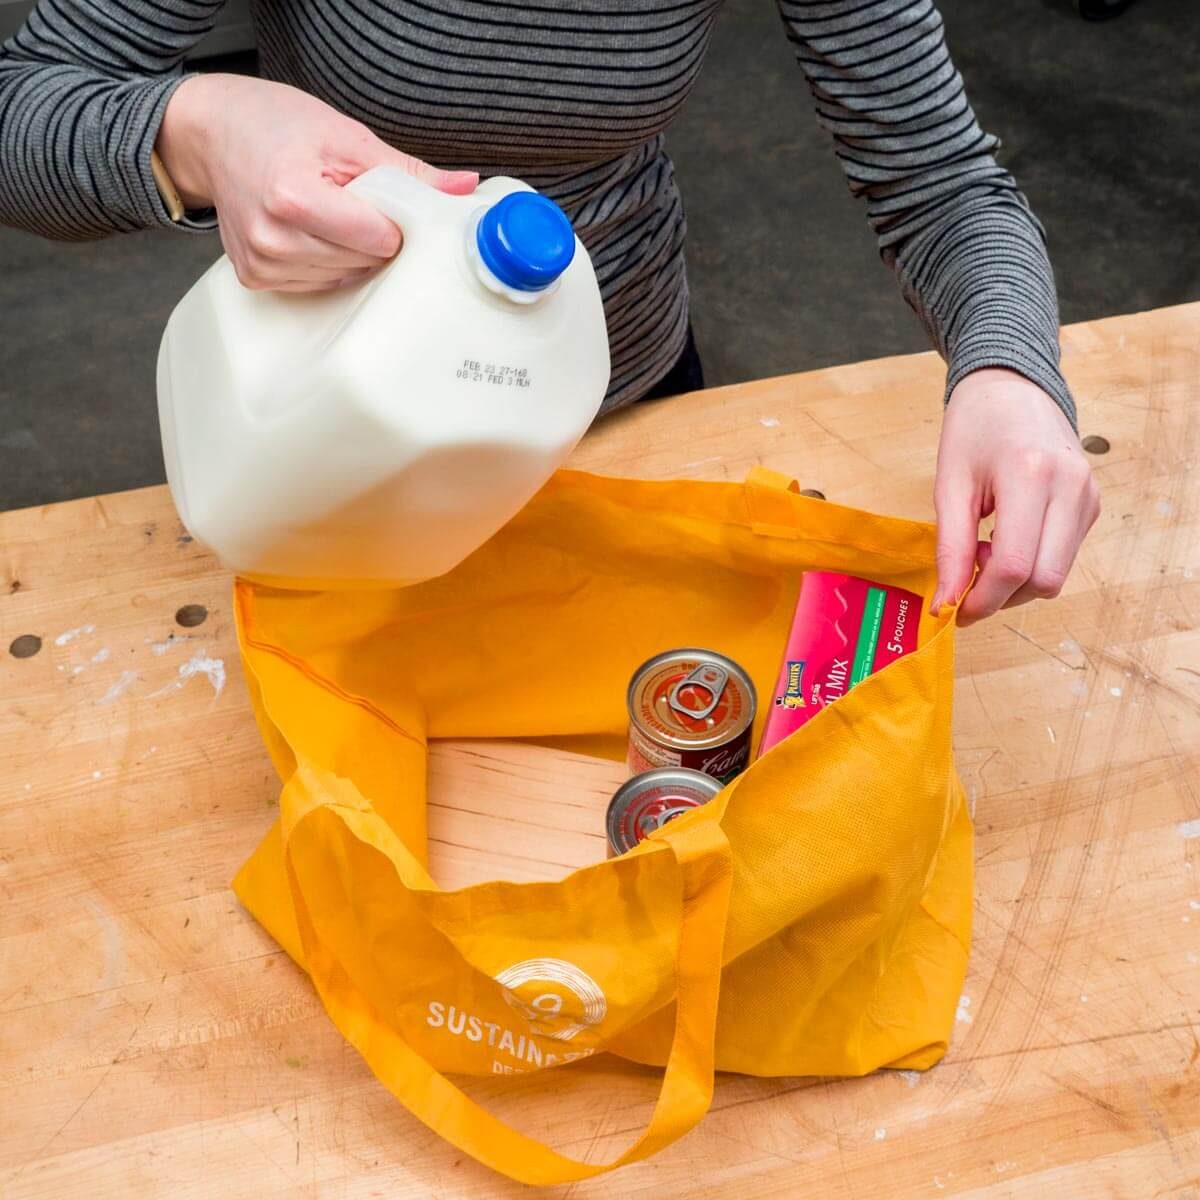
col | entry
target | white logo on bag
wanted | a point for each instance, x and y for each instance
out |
(544, 1010)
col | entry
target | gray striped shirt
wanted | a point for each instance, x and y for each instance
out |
(575, 99)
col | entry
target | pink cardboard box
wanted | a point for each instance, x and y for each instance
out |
(845, 629)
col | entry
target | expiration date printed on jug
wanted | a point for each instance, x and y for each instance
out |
(475, 370)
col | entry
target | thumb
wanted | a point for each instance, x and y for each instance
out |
(958, 511)
(456, 183)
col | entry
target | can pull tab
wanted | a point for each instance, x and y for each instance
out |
(651, 822)
(707, 677)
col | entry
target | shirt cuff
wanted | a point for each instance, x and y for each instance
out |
(141, 132)
(1031, 366)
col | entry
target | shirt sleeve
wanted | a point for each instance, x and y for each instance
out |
(966, 249)
(83, 87)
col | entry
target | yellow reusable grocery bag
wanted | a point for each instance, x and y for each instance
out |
(813, 919)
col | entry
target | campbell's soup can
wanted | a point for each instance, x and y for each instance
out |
(691, 708)
(648, 801)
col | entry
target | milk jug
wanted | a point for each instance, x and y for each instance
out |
(378, 434)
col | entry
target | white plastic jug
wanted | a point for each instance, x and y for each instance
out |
(379, 434)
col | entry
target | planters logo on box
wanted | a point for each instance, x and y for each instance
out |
(790, 696)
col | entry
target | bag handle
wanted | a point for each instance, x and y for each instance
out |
(775, 508)
(769, 502)
(705, 862)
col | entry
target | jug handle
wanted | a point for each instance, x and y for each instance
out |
(397, 194)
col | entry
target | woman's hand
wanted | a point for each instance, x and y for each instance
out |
(272, 161)
(1007, 447)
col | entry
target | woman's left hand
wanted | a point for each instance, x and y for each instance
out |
(1007, 447)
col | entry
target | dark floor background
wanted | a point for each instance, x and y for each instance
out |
(1101, 123)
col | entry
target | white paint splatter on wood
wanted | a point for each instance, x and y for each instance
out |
(962, 1015)
(122, 682)
(769, 422)
(166, 644)
(69, 635)
(113, 950)
(1188, 829)
(212, 668)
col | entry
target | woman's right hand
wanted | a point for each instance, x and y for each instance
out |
(273, 161)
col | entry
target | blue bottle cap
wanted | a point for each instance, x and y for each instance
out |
(526, 241)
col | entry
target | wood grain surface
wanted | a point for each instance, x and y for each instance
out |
(155, 1042)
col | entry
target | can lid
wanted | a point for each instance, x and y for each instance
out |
(667, 715)
(651, 800)
(525, 240)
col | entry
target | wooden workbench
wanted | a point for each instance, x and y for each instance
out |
(155, 1042)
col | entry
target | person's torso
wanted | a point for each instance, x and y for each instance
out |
(499, 86)
(571, 97)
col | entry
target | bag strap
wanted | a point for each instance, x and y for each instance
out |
(704, 857)
(769, 501)
(775, 508)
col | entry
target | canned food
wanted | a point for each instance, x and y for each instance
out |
(691, 708)
(648, 801)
